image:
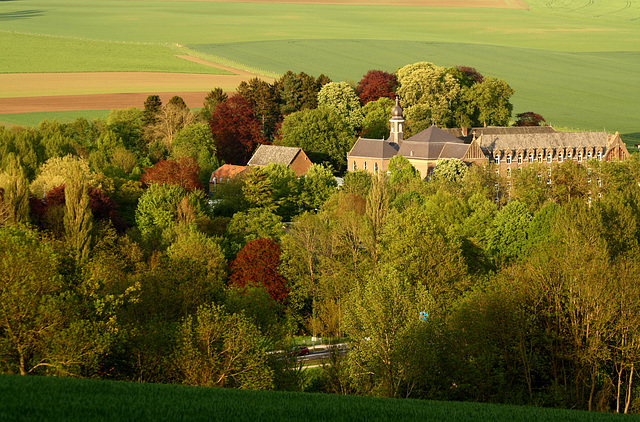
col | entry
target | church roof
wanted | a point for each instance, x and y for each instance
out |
(434, 134)
(433, 150)
(433, 144)
(266, 154)
(373, 148)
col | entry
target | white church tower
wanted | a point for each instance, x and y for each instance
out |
(397, 124)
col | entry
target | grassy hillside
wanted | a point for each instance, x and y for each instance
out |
(52, 399)
(573, 61)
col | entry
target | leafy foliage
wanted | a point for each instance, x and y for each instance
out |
(257, 264)
(236, 130)
(376, 84)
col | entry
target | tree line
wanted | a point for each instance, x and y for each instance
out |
(117, 265)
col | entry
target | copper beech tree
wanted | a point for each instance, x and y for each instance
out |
(257, 265)
(182, 172)
(236, 130)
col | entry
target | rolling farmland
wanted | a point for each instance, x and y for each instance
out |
(573, 61)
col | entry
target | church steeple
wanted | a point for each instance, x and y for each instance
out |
(397, 124)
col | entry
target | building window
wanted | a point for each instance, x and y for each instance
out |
(375, 167)
(365, 165)
(599, 155)
(549, 158)
(539, 157)
(508, 172)
(496, 159)
(589, 155)
(568, 156)
(531, 158)
(559, 157)
(355, 167)
(509, 159)
(520, 159)
(579, 157)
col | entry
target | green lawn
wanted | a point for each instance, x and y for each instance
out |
(57, 399)
(573, 61)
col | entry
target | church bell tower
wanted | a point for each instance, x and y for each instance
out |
(397, 124)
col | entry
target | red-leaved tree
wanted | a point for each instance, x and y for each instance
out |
(236, 130)
(47, 213)
(181, 172)
(472, 73)
(257, 265)
(376, 84)
(529, 118)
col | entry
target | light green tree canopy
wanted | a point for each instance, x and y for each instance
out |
(55, 173)
(322, 133)
(375, 124)
(342, 98)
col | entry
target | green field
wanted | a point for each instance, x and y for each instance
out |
(573, 61)
(53, 399)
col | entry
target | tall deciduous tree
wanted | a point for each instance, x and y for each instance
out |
(236, 130)
(78, 218)
(492, 97)
(382, 319)
(342, 98)
(14, 193)
(183, 172)
(257, 265)
(375, 124)
(322, 133)
(376, 84)
(219, 349)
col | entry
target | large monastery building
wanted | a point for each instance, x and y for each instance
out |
(508, 147)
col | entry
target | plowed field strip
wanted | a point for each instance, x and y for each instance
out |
(46, 84)
(92, 101)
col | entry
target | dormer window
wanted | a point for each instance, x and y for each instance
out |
(539, 157)
(549, 158)
(509, 159)
(579, 157)
(560, 157)
(520, 159)
(531, 158)
(599, 155)
(589, 155)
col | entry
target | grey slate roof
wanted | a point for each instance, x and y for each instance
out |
(266, 154)
(543, 140)
(434, 134)
(433, 144)
(373, 148)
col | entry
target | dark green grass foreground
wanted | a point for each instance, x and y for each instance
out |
(51, 399)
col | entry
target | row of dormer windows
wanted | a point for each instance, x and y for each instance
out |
(540, 158)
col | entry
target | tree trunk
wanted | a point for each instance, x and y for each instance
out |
(627, 400)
